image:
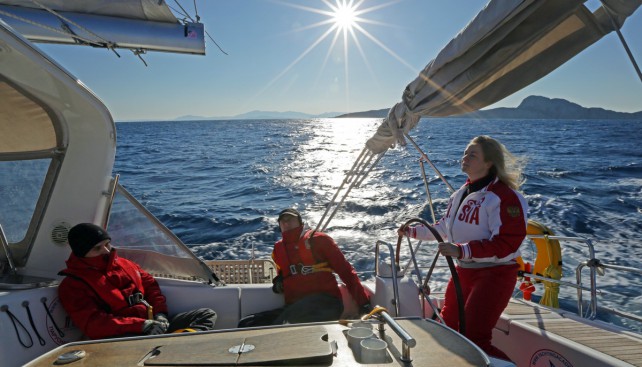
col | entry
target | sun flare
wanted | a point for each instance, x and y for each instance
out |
(345, 24)
(345, 17)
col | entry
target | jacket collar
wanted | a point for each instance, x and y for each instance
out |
(480, 183)
(99, 262)
(293, 235)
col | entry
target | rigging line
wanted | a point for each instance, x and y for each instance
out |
(198, 18)
(138, 52)
(184, 11)
(345, 180)
(425, 157)
(348, 179)
(108, 43)
(346, 195)
(54, 30)
(211, 38)
(372, 166)
(622, 40)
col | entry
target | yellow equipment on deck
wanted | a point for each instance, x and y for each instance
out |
(548, 262)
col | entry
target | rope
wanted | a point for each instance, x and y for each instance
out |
(138, 52)
(14, 319)
(25, 304)
(425, 158)
(44, 303)
(622, 40)
(28, 21)
(107, 43)
(184, 12)
(375, 310)
(198, 18)
(362, 166)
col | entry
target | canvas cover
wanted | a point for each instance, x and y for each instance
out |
(140, 25)
(507, 46)
(153, 10)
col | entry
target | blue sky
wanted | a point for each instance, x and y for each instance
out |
(277, 62)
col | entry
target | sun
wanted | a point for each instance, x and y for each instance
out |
(344, 16)
(345, 27)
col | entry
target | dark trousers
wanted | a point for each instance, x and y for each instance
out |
(201, 319)
(313, 308)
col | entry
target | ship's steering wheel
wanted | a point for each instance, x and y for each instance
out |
(451, 266)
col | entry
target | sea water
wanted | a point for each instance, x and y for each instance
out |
(220, 184)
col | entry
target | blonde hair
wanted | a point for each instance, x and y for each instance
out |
(506, 166)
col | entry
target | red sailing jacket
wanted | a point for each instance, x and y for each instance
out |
(95, 292)
(292, 250)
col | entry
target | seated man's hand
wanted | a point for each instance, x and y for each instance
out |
(161, 317)
(277, 284)
(153, 327)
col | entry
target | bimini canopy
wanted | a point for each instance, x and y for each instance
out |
(507, 46)
(57, 152)
(140, 25)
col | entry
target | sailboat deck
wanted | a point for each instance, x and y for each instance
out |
(616, 343)
(323, 344)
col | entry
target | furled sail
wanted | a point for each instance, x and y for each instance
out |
(507, 46)
(141, 25)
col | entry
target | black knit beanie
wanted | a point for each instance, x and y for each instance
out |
(84, 236)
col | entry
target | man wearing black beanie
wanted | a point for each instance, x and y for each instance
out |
(108, 296)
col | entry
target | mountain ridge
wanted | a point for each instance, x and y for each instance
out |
(531, 107)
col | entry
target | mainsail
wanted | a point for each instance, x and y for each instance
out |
(140, 25)
(507, 46)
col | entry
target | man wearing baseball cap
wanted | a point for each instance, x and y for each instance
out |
(108, 296)
(306, 261)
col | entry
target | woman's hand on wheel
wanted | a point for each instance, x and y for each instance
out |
(449, 249)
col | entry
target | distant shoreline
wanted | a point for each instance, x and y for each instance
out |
(531, 108)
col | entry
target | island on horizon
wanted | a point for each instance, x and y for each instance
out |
(532, 107)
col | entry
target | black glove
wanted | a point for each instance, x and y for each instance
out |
(365, 309)
(277, 284)
(153, 327)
